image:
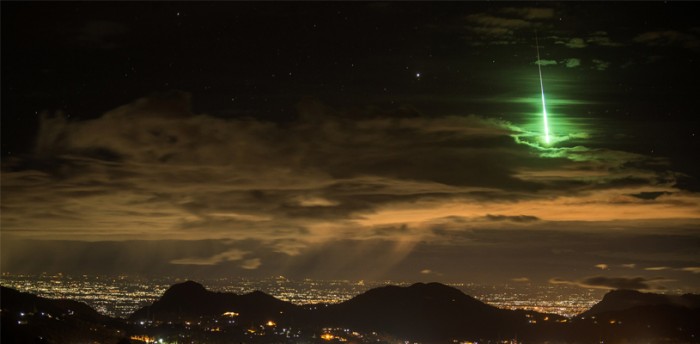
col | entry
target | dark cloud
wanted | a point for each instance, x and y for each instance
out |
(575, 43)
(519, 218)
(102, 34)
(602, 282)
(578, 243)
(598, 38)
(486, 20)
(486, 254)
(601, 38)
(650, 195)
(600, 65)
(227, 256)
(502, 27)
(668, 38)
(529, 12)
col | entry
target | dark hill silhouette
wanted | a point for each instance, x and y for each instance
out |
(630, 315)
(16, 301)
(185, 289)
(625, 299)
(434, 312)
(27, 318)
(423, 312)
(190, 301)
(639, 324)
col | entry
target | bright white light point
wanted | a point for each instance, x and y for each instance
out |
(178, 14)
(417, 75)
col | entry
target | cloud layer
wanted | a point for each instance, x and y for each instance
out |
(152, 169)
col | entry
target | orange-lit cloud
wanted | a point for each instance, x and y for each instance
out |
(152, 169)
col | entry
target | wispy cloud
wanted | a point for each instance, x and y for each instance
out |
(576, 43)
(657, 268)
(600, 64)
(251, 264)
(231, 255)
(543, 62)
(692, 269)
(602, 282)
(572, 62)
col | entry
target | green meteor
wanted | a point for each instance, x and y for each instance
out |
(544, 106)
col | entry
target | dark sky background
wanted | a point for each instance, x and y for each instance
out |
(353, 140)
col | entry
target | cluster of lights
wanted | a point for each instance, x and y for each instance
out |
(120, 296)
(147, 339)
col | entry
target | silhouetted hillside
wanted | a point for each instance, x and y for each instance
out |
(624, 299)
(639, 324)
(423, 312)
(432, 312)
(13, 300)
(436, 312)
(190, 301)
(27, 318)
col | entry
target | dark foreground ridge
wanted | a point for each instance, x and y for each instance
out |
(429, 313)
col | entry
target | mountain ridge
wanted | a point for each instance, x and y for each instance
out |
(190, 300)
(424, 312)
(622, 299)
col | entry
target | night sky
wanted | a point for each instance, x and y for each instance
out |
(354, 140)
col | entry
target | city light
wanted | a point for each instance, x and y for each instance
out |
(121, 296)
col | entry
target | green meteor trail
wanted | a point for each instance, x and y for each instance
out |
(544, 106)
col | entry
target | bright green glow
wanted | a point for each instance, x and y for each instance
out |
(544, 106)
(544, 116)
